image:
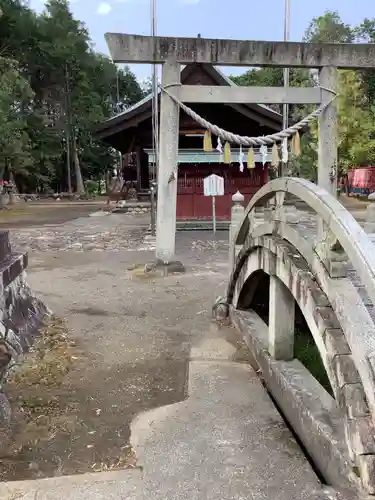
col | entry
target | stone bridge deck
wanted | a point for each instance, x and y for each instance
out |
(308, 227)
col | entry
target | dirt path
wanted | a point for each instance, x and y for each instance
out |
(39, 214)
(129, 339)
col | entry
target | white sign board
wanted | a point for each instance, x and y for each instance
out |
(213, 185)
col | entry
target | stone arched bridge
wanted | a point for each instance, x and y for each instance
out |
(318, 257)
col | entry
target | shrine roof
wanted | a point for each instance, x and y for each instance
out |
(121, 120)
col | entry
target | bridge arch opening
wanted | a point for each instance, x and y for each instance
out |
(255, 296)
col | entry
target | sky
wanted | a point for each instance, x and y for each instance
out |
(234, 19)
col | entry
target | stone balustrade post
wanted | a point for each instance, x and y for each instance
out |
(281, 321)
(369, 226)
(237, 214)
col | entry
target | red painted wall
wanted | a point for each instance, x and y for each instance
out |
(362, 180)
(191, 202)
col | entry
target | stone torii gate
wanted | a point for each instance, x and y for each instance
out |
(172, 52)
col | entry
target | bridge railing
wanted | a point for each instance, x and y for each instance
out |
(337, 219)
(321, 258)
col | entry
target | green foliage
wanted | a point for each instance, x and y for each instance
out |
(365, 32)
(14, 140)
(273, 77)
(356, 101)
(54, 89)
(91, 187)
(356, 123)
(329, 28)
(307, 352)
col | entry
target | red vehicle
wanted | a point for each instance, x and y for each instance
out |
(361, 180)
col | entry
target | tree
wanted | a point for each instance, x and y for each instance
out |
(356, 101)
(70, 88)
(105, 81)
(356, 125)
(147, 86)
(329, 28)
(274, 77)
(14, 140)
(365, 32)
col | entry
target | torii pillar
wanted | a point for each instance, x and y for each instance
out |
(327, 133)
(167, 173)
(172, 52)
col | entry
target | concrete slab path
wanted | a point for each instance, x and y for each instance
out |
(225, 441)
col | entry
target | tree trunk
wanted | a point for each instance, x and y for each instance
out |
(3, 200)
(68, 169)
(12, 190)
(3, 197)
(68, 129)
(107, 181)
(79, 181)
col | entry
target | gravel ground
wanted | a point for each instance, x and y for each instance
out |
(107, 232)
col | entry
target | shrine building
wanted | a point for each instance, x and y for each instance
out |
(130, 133)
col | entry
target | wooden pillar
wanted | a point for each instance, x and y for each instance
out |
(328, 137)
(145, 171)
(281, 321)
(138, 167)
(168, 157)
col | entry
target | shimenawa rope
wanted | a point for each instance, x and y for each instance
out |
(266, 140)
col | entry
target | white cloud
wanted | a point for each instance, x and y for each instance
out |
(103, 8)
